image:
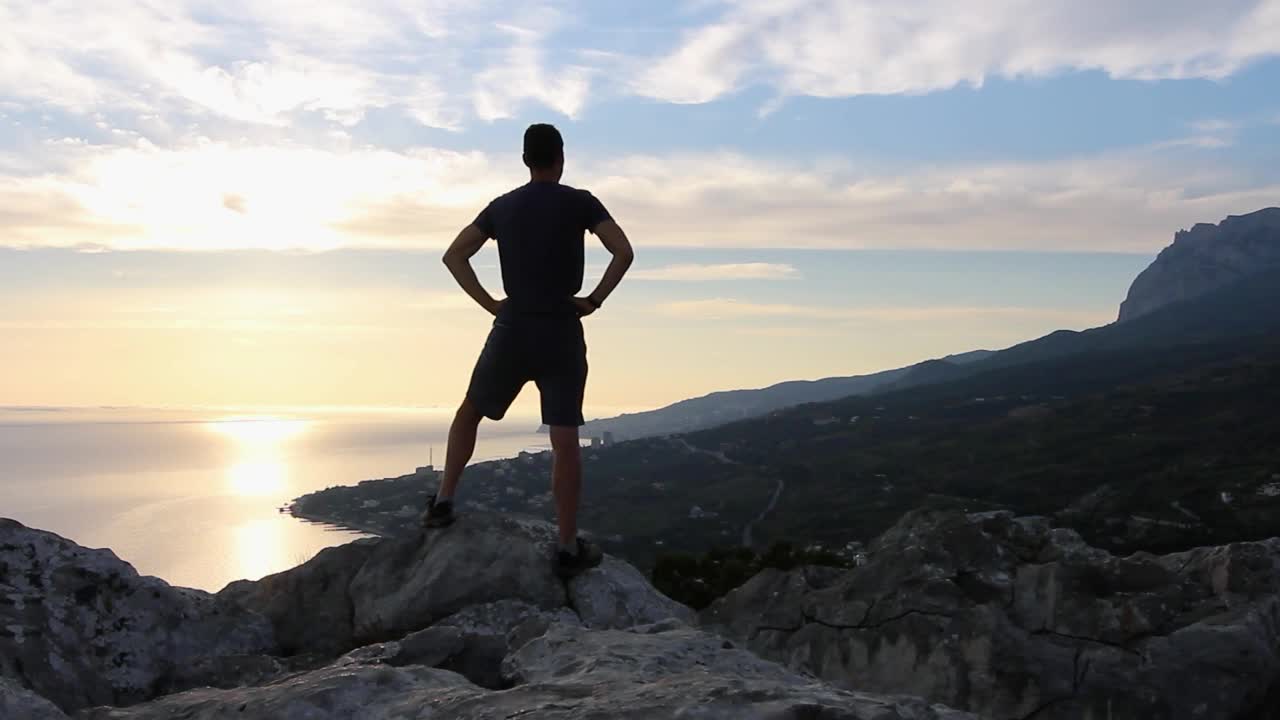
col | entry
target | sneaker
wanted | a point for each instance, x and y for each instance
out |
(438, 514)
(569, 565)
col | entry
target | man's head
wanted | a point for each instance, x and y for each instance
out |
(544, 151)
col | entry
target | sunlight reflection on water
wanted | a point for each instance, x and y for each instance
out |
(261, 467)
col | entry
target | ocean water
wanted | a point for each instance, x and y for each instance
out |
(193, 496)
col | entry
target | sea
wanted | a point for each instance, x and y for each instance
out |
(195, 496)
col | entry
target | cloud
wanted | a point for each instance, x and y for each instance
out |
(268, 63)
(733, 309)
(285, 196)
(724, 271)
(840, 48)
(521, 73)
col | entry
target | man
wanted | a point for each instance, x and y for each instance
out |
(537, 334)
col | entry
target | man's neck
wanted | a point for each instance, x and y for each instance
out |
(543, 177)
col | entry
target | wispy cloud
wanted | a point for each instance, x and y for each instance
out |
(266, 63)
(733, 309)
(837, 48)
(690, 272)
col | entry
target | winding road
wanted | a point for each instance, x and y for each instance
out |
(773, 502)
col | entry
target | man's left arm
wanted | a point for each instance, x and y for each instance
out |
(458, 259)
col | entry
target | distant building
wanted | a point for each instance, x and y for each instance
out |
(595, 441)
(606, 438)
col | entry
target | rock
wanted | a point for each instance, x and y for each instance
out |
(338, 692)
(223, 672)
(687, 673)
(407, 584)
(568, 674)
(1204, 258)
(1009, 618)
(374, 590)
(615, 595)
(19, 703)
(486, 632)
(472, 642)
(81, 627)
(313, 595)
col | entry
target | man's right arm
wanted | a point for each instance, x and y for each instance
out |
(616, 242)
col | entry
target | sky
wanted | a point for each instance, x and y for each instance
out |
(244, 204)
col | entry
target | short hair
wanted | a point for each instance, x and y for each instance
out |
(543, 146)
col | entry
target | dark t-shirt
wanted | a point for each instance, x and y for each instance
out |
(539, 228)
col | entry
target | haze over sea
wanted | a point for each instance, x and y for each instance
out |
(192, 496)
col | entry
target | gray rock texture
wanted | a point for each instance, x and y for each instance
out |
(19, 703)
(1204, 258)
(466, 623)
(82, 627)
(570, 673)
(1009, 618)
(616, 595)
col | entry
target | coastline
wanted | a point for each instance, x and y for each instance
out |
(353, 527)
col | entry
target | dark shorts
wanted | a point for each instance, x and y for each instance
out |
(549, 350)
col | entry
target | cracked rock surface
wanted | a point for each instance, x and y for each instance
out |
(466, 623)
(568, 673)
(1009, 618)
(81, 627)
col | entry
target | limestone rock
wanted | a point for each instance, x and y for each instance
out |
(408, 584)
(472, 642)
(305, 599)
(1204, 258)
(375, 590)
(568, 674)
(81, 627)
(1007, 617)
(616, 595)
(19, 703)
(338, 692)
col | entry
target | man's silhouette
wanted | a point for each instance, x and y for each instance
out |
(537, 334)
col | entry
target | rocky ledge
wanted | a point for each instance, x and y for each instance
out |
(1010, 618)
(468, 622)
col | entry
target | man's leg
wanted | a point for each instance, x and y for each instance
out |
(462, 444)
(566, 480)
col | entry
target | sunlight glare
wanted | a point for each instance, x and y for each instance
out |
(259, 432)
(260, 468)
(260, 549)
(258, 477)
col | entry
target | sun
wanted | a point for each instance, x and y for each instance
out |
(260, 467)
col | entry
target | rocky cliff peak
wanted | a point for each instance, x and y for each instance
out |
(1204, 258)
(467, 623)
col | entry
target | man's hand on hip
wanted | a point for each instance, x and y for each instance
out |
(585, 307)
(496, 307)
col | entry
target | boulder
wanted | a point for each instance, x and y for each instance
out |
(308, 597)
(615, 595)
(407, 584)
(81, 627)
(570, 673)
(380, 589)
(1009, 618)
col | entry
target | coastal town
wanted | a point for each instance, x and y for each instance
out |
(625, 496)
